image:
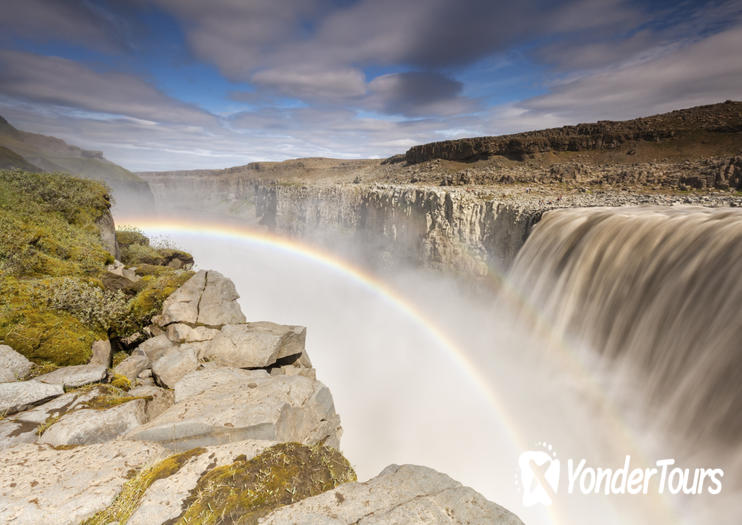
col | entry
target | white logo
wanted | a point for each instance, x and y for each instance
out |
(540, 470)
(539, 475)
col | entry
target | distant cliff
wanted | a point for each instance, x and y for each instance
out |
(34, 152)
(703, 124)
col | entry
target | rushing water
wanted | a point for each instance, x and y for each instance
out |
(617, 333)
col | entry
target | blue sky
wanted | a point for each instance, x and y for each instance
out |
(180, 84)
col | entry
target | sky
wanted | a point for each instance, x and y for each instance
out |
(191, 84)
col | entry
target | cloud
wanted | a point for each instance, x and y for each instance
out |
(309, 83)
(701, 72)
(418, 93)
(59, 81)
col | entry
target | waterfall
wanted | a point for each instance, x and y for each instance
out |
(654, 293)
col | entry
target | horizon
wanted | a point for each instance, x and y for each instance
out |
(168, 85)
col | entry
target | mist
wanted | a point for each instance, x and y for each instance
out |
(403, 397)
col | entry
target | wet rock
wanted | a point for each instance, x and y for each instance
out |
(72, 376)
(20, 395)
(88, 426)
(174, 364)
(405, 494)
(101, 353)
(39, 484)
(255, 345)
(12, 365)
(270, 408)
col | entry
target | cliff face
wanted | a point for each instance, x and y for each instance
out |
(467, 232)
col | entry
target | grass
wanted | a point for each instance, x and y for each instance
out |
(53, 303)
(247, 490)
(133, 491)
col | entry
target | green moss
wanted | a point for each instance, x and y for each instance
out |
(121, 381)
(246, 490)
(118, 357)
(133, 491)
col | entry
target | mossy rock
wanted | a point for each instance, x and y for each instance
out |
(247, 490)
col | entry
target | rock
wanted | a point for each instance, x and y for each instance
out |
(14, 433)
(39, 484)
(182, 333)
(155, 347)
(88, 426)
(72, 376)
(255, 345)
(101, 353)
(271, 408)
(173, 365)
(182, 305)
(164, 499)
(400, 495)
(161, 399)
(12, 365)
(133, 365)
(57, 407)
(21, 395)
(207, 298)
(204, 379)
(218, 305)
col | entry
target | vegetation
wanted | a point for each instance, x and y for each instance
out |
(55, 294)
(247, 490)
(133, 491)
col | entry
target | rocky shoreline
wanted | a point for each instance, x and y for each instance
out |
(206, 396)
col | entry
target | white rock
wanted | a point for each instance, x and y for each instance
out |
(174, 364)
(255, 345)
(12, 364)
(88, 426)
(204, 379)
(182, 305)
(399, 495)
(271, 408)
(39, 484)
(101, 353)
(133, 365)
(155, 347)
(14, 433)
(161, 399)
(164, 499)
(20, 395)
(218, 305)
(182, 333)
(72, 376)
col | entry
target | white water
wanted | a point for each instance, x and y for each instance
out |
(403, 399)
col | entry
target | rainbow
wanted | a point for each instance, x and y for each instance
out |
(367, 280)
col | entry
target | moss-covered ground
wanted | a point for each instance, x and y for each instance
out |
(54, 302)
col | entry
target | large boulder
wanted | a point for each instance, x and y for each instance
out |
(158, 399)
(174, 364)
(155, 347)
(12, 365)
(255, 345)
(400, 495)
(87, 426)
(182, 333)
(212, 376)
(73, 376)
(270, 408)
(20, 395)
(208, 298)
(39, 484)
